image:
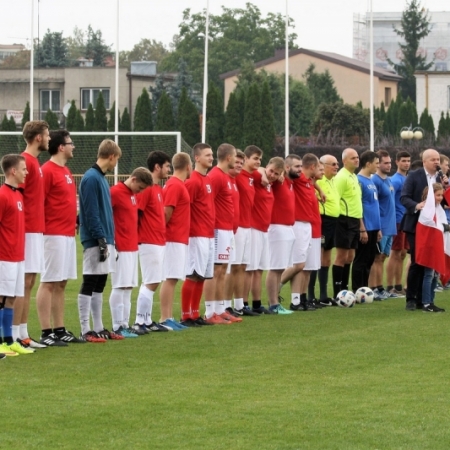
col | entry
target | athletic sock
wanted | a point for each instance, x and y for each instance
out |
(323, 282)
(228, 304)
(303, 298)
(23, 331)
(398, 287)
(246, 304)
(15, 332)
(7, 326)
(116, 306)
(337, 272)
(256, 304)
(58, 331)
(389, 288)
(187, 293)
(126, 295)
(380, 288)
(210, 309)
(295, 298)
(196, 299)
(238, 304)
(84, 309)
(96, 311)
(46, 332)
(144, 306)
(345, 276)
(312, 285)
(219, 307)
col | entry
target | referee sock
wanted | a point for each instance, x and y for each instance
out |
(96, 311)
(338, 273)
(116, 306)
(84, 309)
(144, 306)
(312, 285)
(126, 296)
(323, 282)
(196, 299)
(345, 276)
(187, 294)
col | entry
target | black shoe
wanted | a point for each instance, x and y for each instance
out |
(104, 334)
(190, 323)
(139, 329)
(2, 356)
(52, 341)
(262, 310)
(316, 303)
(231, 311)
(68, 336)
(328, 302)
(411, 305)
(302, 306)
(156, 327)
(201, 321)
(432, 308)
(246, 311)
(419, 306)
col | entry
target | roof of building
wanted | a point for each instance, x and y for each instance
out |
(432, 72)
(326, 56)
(12, 47)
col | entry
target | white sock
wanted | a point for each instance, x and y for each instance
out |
(126, 295)
(209, 309)
(96, 311)
(227, 304)
(295, 298)
(219, 307)
(23, 331)
(238, 303)
(116, 305)
(144, 306)
(16, 332)
(84, 309)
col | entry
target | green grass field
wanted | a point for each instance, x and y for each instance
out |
(370, 377)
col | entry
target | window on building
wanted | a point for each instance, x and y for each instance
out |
(90, 95)
(387, 97)
(50, 99)
(440, 66)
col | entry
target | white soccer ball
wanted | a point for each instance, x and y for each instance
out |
(345, 299)
(364, 295)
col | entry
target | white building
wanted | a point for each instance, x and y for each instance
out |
(436, 45)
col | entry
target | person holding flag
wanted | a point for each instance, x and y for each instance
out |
(432, 240)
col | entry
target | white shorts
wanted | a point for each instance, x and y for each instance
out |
(12, 279)
(242, 244)
(175, 259)
(302, 231)
(259, 255)
(151, 258)
(223, 243)
(34, 252)
(92, 265)
(313, 260)
(281, 246)
(200, 257)
(60, 257)
(126, 274)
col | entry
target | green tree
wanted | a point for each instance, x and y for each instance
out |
(90, 143)
(5, 124)
(26, 114)
(427, 124)
(382, 116)
(112, 118)
(126, 143)
(188, 120)
(8, 144)
(101, 121)
(71, 116)
(142, 121)
(89, 124)
(267, 123)
(407, 115)
(233, 121)
(321, 86)
(52, 119)
(252, 118)
(79, 122)
(144, 50)
(52, 51)
(165, 122)
(442, 128)
(20, 60)
(301, 109)
(215, 117)
(95, 48)
(415, 26)
(447, 124)
(156, 92)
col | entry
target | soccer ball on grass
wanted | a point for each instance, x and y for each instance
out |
(364, 295)
(345, 299)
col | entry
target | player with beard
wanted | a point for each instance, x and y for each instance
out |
(37, 137)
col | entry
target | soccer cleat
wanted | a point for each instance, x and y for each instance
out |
(411, 305)
(393, 293)
(68, 336)
(125, 333)
(156, 327)
(246, 311)
(135, 331)
(19, 349)
(5, 350)
(52, 341)
(201, 321)
(377, 295)
(93, 337)
(30, 342)
(113, 336)
(432, 308)
(190, 323)
(227, 316)
(328, 302)
(141, 328)
(2, 356)
(261, 310)
(302, 306)
(316, 303)
(105, 334)
(217, 320)
(231, 311)
(173, 323)
(278, 309)
(438, 288)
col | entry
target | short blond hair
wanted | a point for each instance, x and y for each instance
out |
(181, 161)
(277, 162)
(33, 128)
(142, 175)
(108, 148)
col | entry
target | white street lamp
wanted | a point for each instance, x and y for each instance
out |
(205, 74)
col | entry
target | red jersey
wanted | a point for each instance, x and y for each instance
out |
(33, 196)
(176, 195)
(284, 211)
(12, 225)
(307, 205)
(236, 200)
(60, 205)
(262, 206)
(246, 184)
(152, 222)
(125, 213)
(202, 205)
(223, 199)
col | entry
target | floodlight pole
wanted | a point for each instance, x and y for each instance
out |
(32, 63)
(372, 131)
(116, 112)
(205, 74)
(286, 96)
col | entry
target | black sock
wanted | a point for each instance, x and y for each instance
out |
(380, 288)
(303, 298)
(60, 330)
(246, 304)
(46, 332)
(345, 276)
(398, 287)
(389, 288)
(8, 340)
(312, 284)
(323, 282)
(337, 279)
(256, 304)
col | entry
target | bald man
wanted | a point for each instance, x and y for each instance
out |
(349, 224)
(411, 199)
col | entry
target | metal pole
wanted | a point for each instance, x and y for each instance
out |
(205, 74)
(32, 62)
(372, 131)
(116, 95)
(286, 70)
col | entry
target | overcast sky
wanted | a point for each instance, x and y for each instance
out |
(320, 24)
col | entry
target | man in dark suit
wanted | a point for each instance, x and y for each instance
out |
(411, 198)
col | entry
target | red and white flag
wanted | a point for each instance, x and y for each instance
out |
(432, 244)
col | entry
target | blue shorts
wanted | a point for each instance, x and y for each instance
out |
(385, 245)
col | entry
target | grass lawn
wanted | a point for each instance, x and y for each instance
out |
(370, 377)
